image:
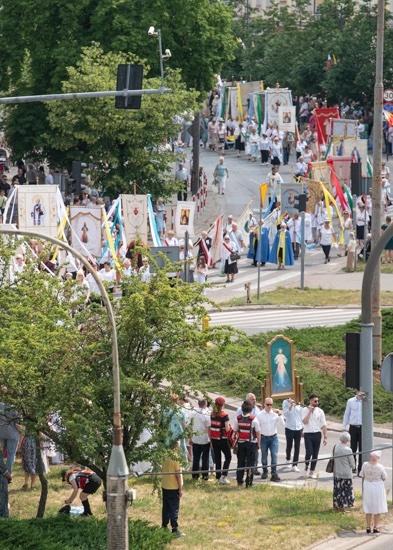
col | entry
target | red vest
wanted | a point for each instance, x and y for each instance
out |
(246, 431)
(217, 427)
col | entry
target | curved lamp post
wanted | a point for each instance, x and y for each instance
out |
(117, 475)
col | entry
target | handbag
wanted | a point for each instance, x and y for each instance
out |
(234, 256)
(215, 181)
(330, 464)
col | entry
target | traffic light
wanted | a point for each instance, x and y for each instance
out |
(352, 359)
(129, 77)
(301, 202)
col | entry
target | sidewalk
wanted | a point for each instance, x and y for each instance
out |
(346, 540)
(234, 403)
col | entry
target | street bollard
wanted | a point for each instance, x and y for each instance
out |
(247, 287)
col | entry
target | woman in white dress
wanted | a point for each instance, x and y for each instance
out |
(374, 493)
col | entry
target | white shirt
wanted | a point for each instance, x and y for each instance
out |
(200, 427)
(49, 179)
(316, 422)
(255, 411)
(171, 242)
(269, 421)
(94, 288)
(293, 416)
(326, 236)
(108, 276)
(353, 412)
(294, 229)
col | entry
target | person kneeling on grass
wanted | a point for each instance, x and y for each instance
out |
(86, 480)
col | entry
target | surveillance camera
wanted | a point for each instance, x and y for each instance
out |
(150, 31)
(168, 53)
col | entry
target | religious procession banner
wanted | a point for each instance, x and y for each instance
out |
(322, 117)
(184, 218)
(289, 194)
(343, 128)
(286, 118)
(274, 99)
(86, 224)
(355, 148)
(135, 217)
(37, 209)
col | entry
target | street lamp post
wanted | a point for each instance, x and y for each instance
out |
(117, 476)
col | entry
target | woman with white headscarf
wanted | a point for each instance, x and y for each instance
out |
(374, 493)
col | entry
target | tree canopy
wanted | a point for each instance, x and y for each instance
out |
(36, 56)
(291, 46)
(55, 359)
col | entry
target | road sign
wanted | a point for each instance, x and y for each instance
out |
(388, 107)
(388, 96)
(387, 373)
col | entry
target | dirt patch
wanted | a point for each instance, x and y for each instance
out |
(333, 364)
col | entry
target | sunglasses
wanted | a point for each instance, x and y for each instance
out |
(269, 404)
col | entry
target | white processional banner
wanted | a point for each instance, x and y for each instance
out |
(184, 218)
(86, 223)
(37, 209)
(286, 118)
(274, 99)
(135, 216)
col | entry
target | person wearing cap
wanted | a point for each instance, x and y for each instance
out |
(374, 493)
(219, 427)
(353, 419)
(346, 227)
(264, 147)
(281, 252)
(247, 432)
(326, 235)
(181, 175)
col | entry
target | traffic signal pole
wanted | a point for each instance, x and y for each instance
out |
(302, 249)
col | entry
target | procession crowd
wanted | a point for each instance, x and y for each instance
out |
(213, 440)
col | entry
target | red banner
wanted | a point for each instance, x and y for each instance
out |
(322, 117)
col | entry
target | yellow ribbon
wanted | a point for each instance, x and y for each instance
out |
(60, 234)
(328, 199)
(239, 103)
(110, 240)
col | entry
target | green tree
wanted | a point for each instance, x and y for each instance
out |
(55, 359)
(35, 56)
(127, 141)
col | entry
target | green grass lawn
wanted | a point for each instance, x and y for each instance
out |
(211, 515)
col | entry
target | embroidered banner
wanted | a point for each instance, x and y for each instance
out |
(323, 117)
(86, 223)
(37, 208)
(135, 217)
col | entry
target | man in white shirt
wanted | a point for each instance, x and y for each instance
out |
(293, 431)
(314, 421)
(49, 180)
(200, 419)
(268, 420)
(300, 167)
(353, 417)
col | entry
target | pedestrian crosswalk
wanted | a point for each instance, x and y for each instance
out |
(253, 321)
(269, 275)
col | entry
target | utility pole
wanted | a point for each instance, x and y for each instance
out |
(377, 182)
(196, 131)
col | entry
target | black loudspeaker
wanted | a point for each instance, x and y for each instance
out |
(356, 178)
(352, 360)
(129, 77)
